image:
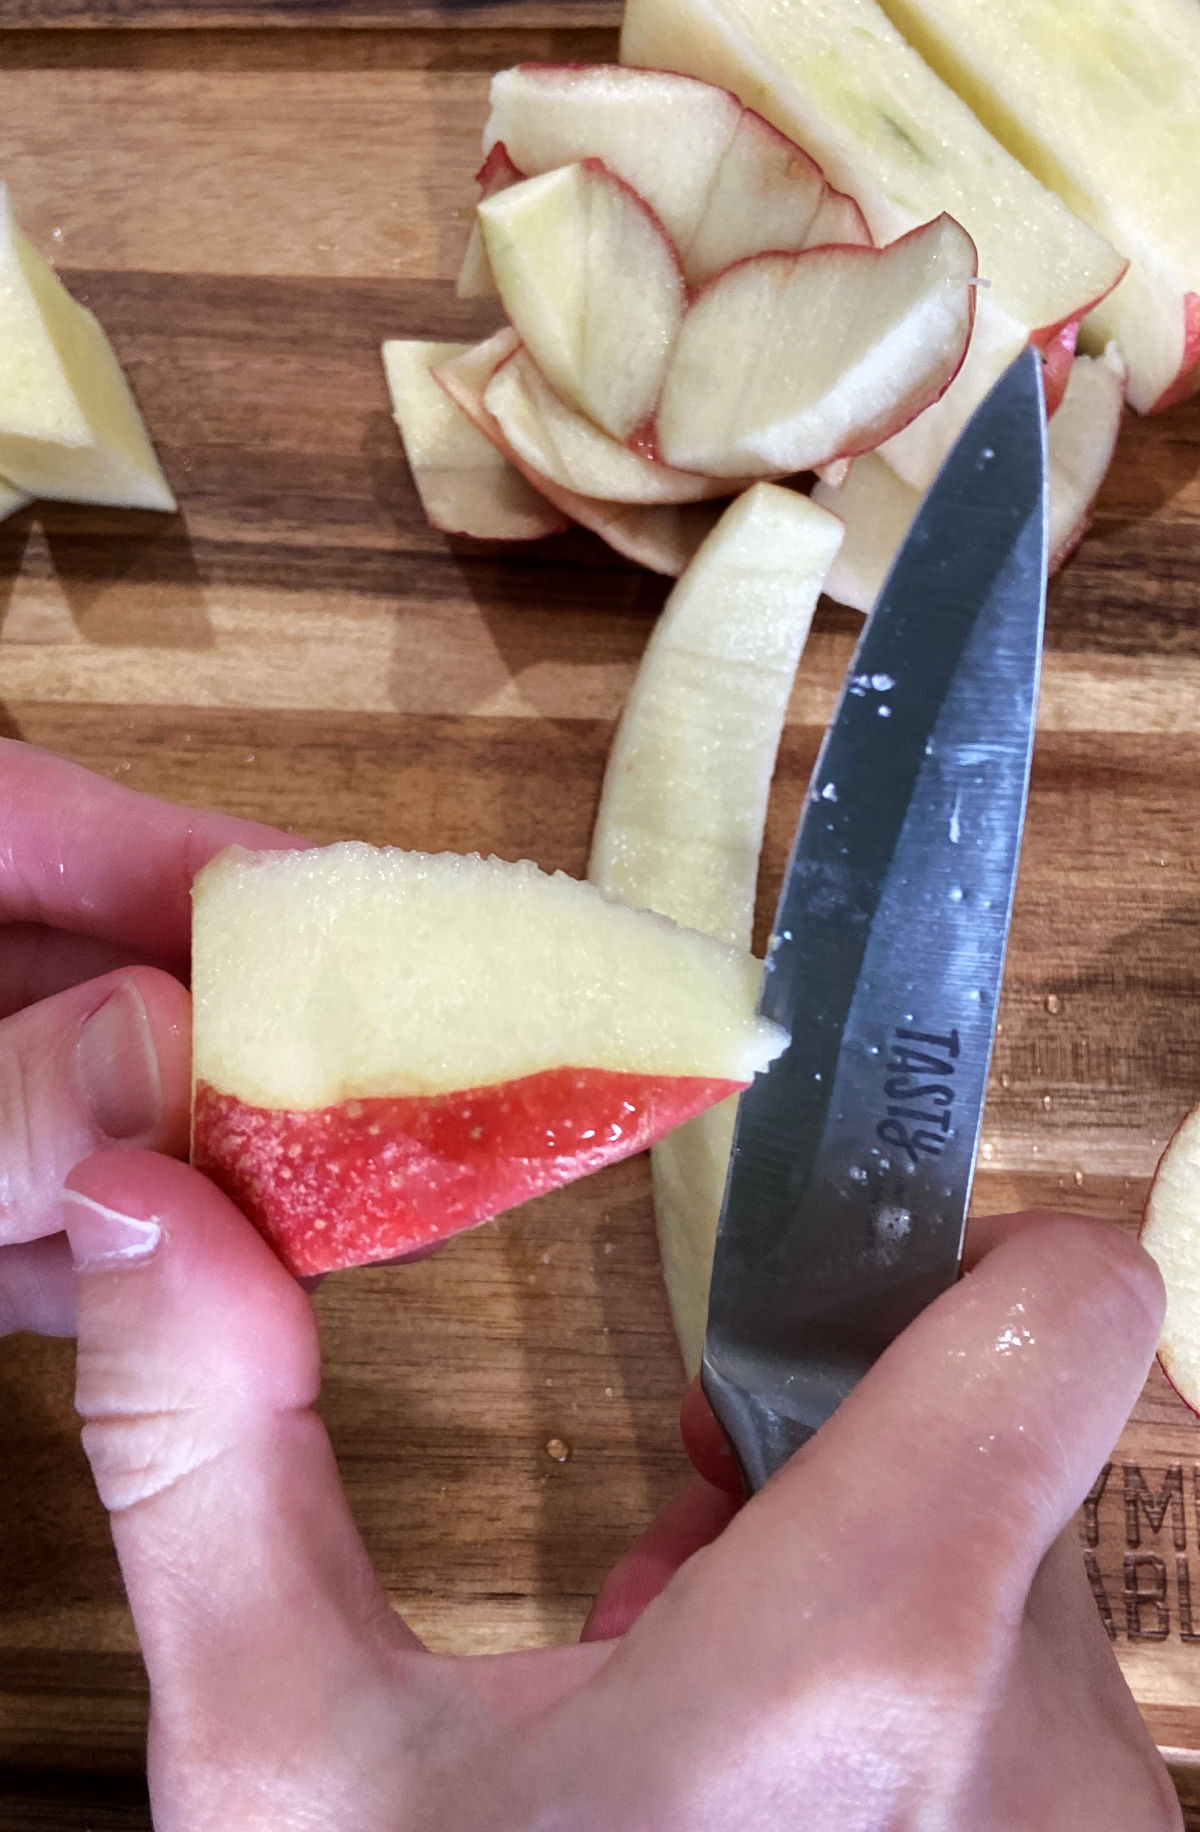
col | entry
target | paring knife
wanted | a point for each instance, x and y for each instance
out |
(853, 1155)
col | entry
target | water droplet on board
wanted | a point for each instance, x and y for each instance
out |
(558, 1449)
(1053, 1004)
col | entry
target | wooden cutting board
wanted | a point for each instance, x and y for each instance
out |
(251, 205)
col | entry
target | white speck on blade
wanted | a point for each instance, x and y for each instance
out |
(893, 1223)
(882, 683)
(829, 792)
(956, 893)
(885, 712)
(955, 822)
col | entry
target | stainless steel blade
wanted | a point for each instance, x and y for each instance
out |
(853, 1155)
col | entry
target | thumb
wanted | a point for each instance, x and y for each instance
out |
(253, 1598)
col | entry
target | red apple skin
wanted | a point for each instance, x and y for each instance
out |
(1188, 378)
(497, 171)
(373, 1179)
(1058, 353)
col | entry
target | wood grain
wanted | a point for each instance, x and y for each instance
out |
(251, 212)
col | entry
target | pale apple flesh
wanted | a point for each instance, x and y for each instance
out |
(683, 807)
(662, 537)
(465, 485)
(592, 285)
(786, 362)
(1171, 1235)
(390, 1046)
(1102, 105)
(11, 499)
(69, 425)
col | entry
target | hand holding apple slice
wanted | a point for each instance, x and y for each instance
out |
(466, 486)
(592, 286)
(787, 361)
(389, 1046)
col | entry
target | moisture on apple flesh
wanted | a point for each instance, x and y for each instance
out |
(389, 1046)
(1103, 105)
(841, 81)
(466, 486)
(787, 361)
(592, 286)
(720, 179)
(683, 807)
(69, 426)
(660, 536)
(1171, 1235)
(572, 451)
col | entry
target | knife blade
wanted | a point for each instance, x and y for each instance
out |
(853, 1154)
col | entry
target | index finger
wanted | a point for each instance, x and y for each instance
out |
(81, 853)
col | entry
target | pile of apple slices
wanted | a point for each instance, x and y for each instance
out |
(678, 326)
(69, 425)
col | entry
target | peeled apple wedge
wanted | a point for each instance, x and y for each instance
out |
(661, 536)
(69, 426)
(592, 286)
(720, 179)
(785, 362)
(465, 485)
(572, 451)
(389, 1047)
(1171, 1235)
(837, 77)
(475, 275)
(1101, 101)
(681, 816)
(878, 509)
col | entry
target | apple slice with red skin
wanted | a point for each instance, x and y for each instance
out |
(722, 181)
(660, 536)
(466, 486)
(1171, 1236)
(389, 1047)
(475, 279)
(1187, 377)
(592, 285)
(572, 451)
(785, 362)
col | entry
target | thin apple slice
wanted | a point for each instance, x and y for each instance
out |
(1103, 105)
(565, 446)
(390, 1046)
(766, 193)
(788, 361)
(466, 486)
(878, 508)
(592, 286)
(662, 537)
(681, 816)
(475, 279)
(839, 219)
(69, 426)
(1171, 1236)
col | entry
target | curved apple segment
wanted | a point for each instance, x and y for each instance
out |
(681, 817)
(593, 288)
(661, 536)
(722, 181)
(1171, 1235)
(466, 486)
(390, 1046)
(788, 361)
(571, 450)
(1058, 353)
(1186, 379)
(475, 279)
